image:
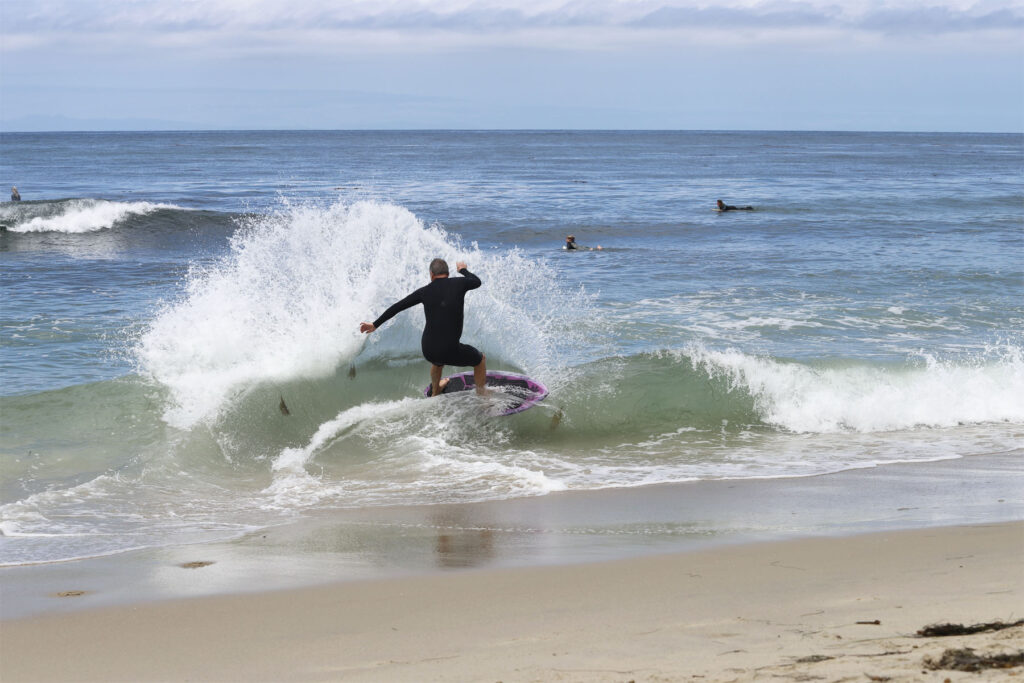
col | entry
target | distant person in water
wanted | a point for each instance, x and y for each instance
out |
(722, 206)
(443, 300)
(15, 195)
(570, 245)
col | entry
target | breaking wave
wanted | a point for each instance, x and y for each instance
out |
(73, 215)
(285, 305)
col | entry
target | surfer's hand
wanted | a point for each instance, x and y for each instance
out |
(459, 265)
(366, 328)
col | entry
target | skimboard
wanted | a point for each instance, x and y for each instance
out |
(517, 392)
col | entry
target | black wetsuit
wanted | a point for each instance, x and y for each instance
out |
(442, 303)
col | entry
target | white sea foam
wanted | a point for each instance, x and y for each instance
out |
(293, 485)
(422, 451)
(875, 398)
(80, 216)
(286, 303)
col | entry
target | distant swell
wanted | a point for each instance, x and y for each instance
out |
(73, 215)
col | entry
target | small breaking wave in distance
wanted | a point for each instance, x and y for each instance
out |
(73, 215)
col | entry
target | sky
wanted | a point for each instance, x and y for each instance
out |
(894, 65)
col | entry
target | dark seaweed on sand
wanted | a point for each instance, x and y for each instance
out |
(966, 660)
(961, 630)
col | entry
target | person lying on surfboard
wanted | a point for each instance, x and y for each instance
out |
(722, 206)
(443, 300)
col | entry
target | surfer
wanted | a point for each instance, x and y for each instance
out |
(15, 195)
(570, 245)
(443, 300)
(722, 206)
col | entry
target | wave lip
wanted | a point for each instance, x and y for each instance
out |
(74, 216)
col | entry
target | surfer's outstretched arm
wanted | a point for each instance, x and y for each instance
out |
(393, 310)
(471, 281)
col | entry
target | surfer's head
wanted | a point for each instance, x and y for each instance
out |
(570, 238)
(438, 268)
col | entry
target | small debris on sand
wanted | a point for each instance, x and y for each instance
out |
(195, 565)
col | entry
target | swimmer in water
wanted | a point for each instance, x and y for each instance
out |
(15, 195)
(443, 300)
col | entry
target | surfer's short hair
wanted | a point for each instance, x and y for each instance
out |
(439, 267)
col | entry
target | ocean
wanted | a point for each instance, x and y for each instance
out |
(165, 292)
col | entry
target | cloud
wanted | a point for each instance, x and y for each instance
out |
(558, 23)
(940, 20)
(858, 64)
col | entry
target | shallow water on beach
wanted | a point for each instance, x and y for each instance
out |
(164, 293)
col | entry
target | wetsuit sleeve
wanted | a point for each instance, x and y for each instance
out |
(396, 308)
(471, 281)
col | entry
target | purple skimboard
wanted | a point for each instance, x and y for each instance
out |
(518, 391)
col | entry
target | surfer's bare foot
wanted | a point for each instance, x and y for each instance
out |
(441, 385)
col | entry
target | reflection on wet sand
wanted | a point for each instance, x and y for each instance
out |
(459, 542)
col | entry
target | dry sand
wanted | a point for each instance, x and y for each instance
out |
(784, 610)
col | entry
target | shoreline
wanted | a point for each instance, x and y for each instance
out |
(800, 609)
(565, 528)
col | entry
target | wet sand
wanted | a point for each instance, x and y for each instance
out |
(809, 609)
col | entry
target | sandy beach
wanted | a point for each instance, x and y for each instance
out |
(810, 609)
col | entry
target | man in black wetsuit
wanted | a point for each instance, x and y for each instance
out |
(442, 301)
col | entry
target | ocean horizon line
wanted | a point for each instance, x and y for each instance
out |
(788, 131)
